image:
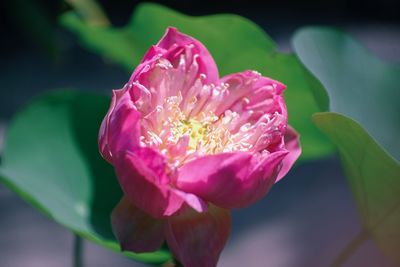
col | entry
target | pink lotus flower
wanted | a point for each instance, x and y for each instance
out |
(188, 146)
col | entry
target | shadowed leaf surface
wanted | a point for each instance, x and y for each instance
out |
(359, 85)
(51, 159)
(364, 125)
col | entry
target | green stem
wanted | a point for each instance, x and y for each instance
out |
(350, 248)
(77, 254)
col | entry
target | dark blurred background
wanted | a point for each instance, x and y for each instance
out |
(304, 221)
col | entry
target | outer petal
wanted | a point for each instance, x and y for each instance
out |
(192, 200)
(292, 144)
(123, 127)
(230, 180)
(104, 128)
(197, 239)
(144, 182)
(207, 64)
(135, 230)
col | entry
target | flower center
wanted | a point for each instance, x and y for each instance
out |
(181, 136)
(203, 133)
(196, 130)
(184, 118)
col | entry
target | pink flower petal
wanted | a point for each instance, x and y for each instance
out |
(207, 66)
(230, 180)
(247, 89)
(149, 58)
(103, 132)
(292, 144)
(144, 182)
(192, 200)
(177, 181)
(123, 126)
(197, 239)
(135, 230)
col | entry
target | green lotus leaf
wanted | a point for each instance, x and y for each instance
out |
(52, 161)
(364, 124)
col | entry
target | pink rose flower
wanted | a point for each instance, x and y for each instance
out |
(188, 146)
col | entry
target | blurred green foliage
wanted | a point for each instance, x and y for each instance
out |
(364, 123)
(51, 159)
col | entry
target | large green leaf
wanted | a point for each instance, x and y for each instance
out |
(374, 177)
(235, 43)
(359, 84)
(365, 125)
(51, 159)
